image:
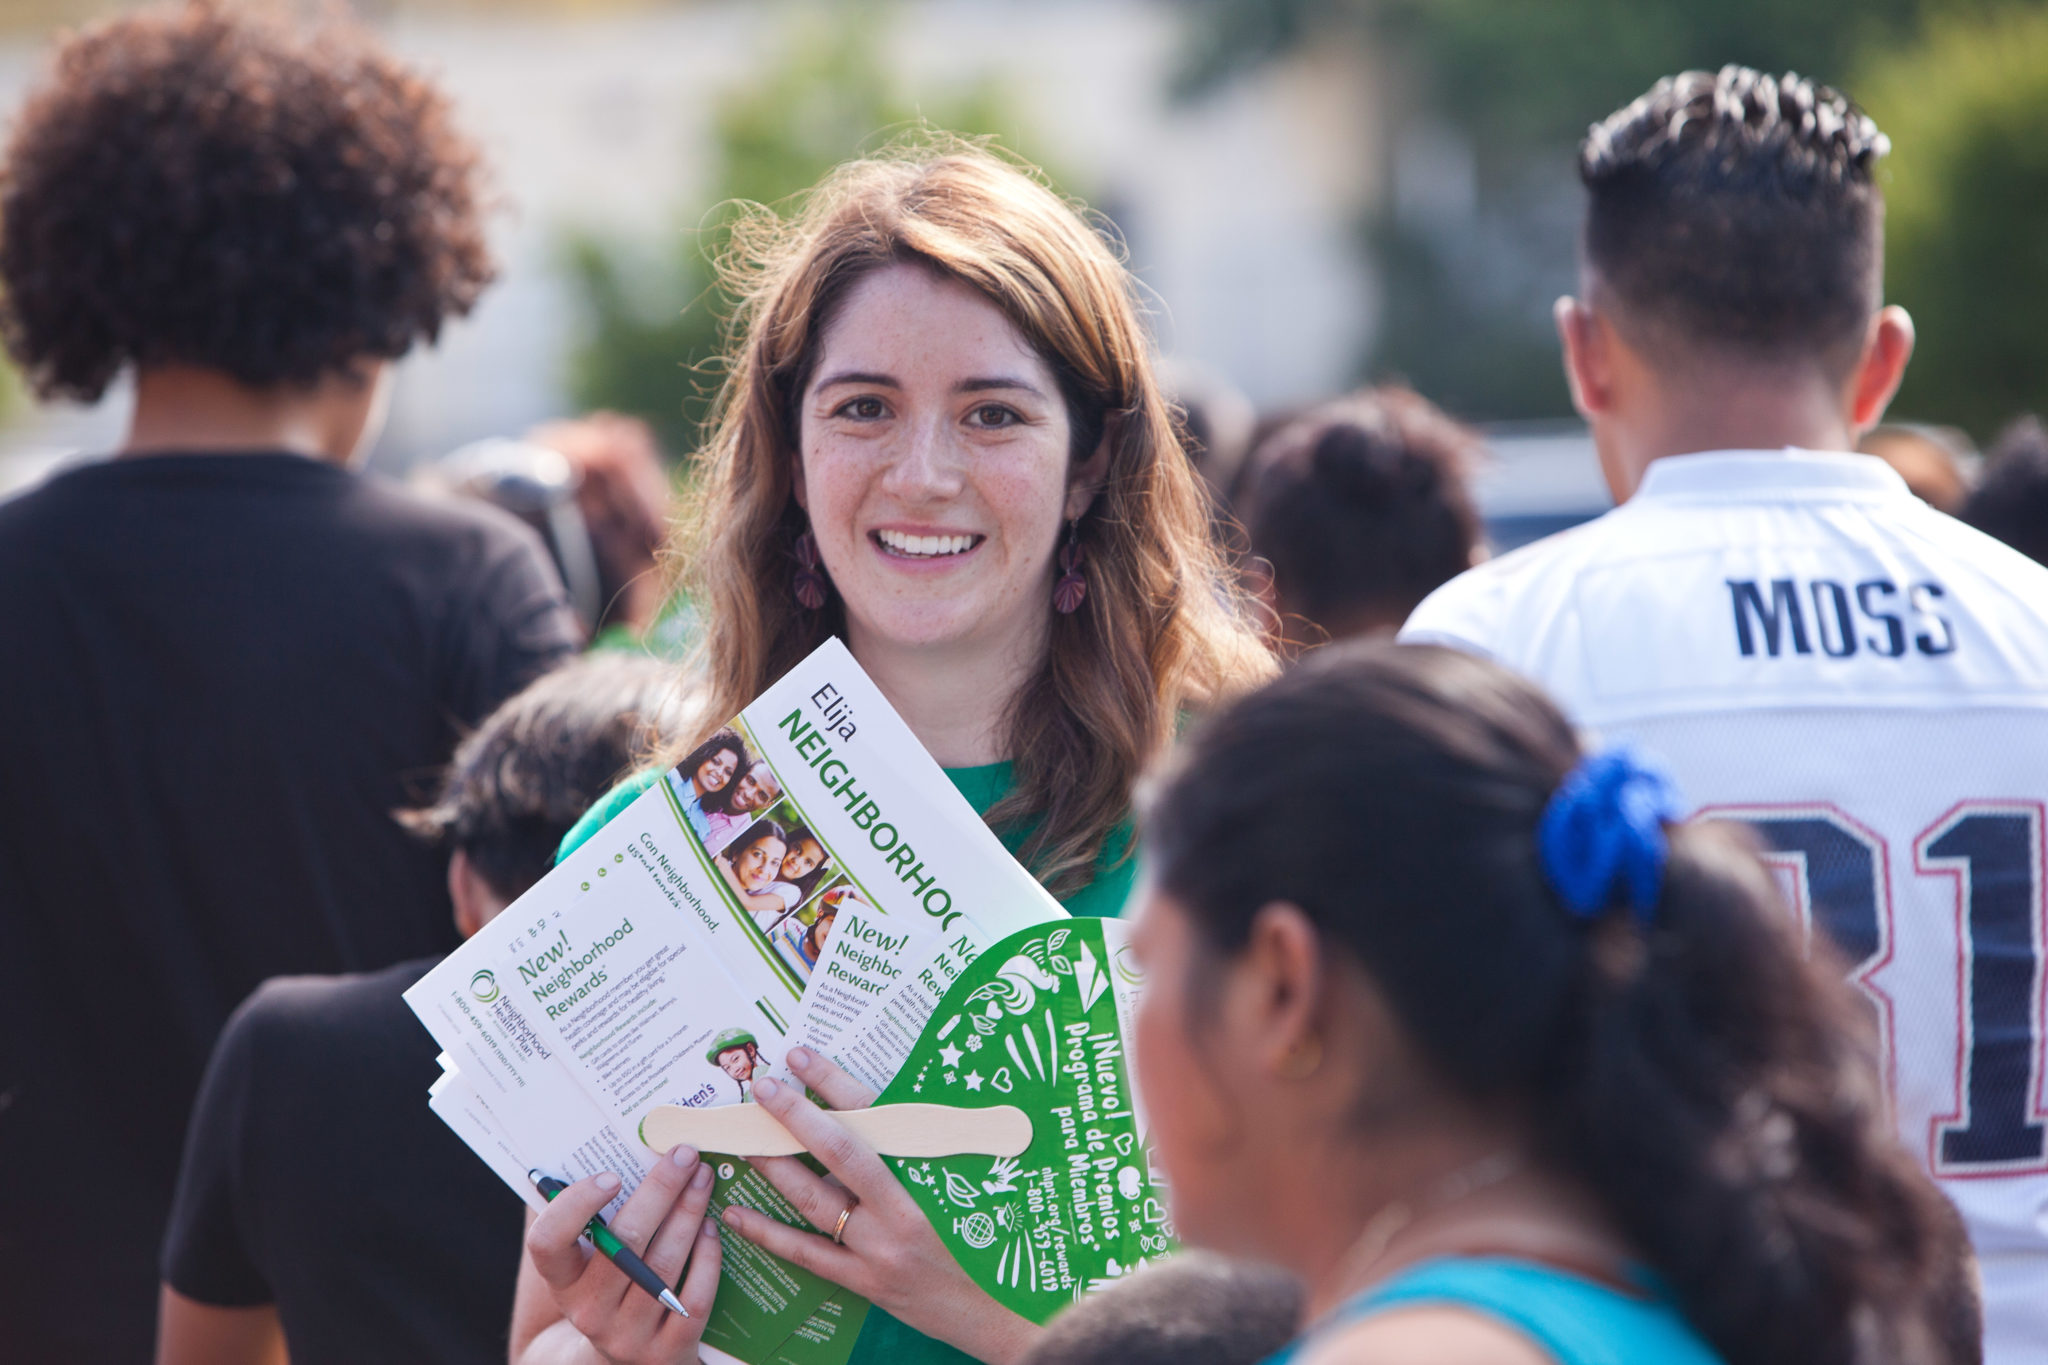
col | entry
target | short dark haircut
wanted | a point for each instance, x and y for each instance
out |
(1190, 1309)
(200, 186)
(2011, 502)
(1361, 509)
(1737, 211)
(543, 758)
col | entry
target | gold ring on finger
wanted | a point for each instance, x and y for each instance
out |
(839, 1228)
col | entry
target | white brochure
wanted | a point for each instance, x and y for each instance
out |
(823, 884)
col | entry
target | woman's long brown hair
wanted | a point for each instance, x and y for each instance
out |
(1163, 629)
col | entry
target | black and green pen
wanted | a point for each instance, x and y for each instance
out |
(637, 1270)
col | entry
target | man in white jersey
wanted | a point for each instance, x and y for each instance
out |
(1814, 651)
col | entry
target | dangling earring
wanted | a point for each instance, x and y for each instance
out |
(810, 583)
(1072, 587)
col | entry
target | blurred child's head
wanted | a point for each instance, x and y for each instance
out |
(539, 761)
(2011, 501)
(623, 493)
(1191, 1309)
(1360, 508)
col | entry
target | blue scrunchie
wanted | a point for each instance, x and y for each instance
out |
(1602, 833)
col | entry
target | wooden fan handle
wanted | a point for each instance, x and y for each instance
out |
(914, 1130)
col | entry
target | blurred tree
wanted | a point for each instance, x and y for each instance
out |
(1465, 306)
(1965, 185)
(1465, 313)
(1523, 73)
(653, 349)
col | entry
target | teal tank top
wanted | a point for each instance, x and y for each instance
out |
(1578, 1321)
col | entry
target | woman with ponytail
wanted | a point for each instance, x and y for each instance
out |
(1545, 1078)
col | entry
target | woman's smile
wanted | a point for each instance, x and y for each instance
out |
(925, 546)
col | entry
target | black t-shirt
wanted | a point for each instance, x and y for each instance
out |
(317, 1179)
(219, 674)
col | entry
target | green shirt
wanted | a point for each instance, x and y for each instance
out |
(884, 1340)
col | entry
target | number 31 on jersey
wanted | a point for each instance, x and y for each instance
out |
(1991, 852)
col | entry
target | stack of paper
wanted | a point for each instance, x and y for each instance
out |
(827, 891)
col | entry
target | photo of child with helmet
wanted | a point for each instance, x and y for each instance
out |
(737, 1053)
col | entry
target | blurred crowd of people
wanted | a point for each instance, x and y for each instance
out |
(1557, 1073)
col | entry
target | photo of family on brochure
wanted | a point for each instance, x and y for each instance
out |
(770, 862)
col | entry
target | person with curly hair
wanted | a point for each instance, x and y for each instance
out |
(228, 653)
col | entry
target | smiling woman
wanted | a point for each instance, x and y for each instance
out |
(941, 440)
(937, 483)
(943, 395)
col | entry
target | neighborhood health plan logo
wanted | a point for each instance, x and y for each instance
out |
(484, 986)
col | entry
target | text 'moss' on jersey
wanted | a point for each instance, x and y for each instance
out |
(1865, 682)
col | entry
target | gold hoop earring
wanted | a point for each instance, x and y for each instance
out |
(1303, 1060)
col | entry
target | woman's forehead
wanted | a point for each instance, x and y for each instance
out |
(912, 325)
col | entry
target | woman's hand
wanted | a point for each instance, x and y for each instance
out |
(889, 1253)
(572, 1302)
